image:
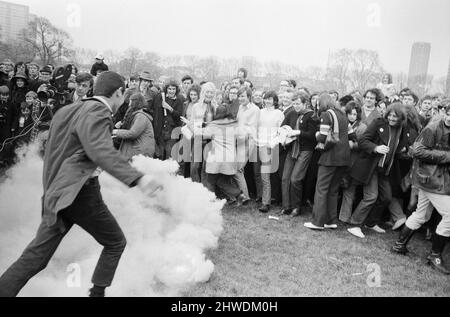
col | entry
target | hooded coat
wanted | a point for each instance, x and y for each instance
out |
(221, 158)
(139, 139)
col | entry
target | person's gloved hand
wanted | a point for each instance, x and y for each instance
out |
(149, 185)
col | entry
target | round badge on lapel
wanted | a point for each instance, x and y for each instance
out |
(381, 130)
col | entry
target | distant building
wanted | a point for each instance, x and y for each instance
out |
(447, 91)
(13, 19)
(418, 67)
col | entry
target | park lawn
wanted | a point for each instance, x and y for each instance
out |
(257, 256)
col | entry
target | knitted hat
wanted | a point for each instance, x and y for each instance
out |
(107, 83)
(31, 94)
(24, 105)
(4, 90)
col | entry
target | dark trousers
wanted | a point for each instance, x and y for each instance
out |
(383, 200)
(309, 190)
(164, 149)
(198, 165)
(90, 213)
(225, 183)
(293, 176)
(276, 178)
(326, 198)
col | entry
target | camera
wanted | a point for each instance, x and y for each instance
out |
(49, 93)
(58, 87)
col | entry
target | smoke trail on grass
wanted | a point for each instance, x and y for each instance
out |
(167, 235)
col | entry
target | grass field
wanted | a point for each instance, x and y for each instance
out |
(258, 256)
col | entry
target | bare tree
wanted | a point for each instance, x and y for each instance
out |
(84, 57)
(130, 61)
(50, 43)
(17, 50)
(338, 71)
(252, 65)
(365, 69)
(111, 56)
(349, 69)
(208, 68)
(191, 61)
(228, 67)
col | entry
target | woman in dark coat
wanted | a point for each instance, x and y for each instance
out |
(353, 111)
(6, 125)
(383, 141)
(167, 111)
(401, 190)
(19, 88)
(332, 164)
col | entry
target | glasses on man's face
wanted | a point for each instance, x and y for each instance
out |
(4, 95)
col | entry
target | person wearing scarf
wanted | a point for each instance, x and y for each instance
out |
(167, 113)
(333, 163)
(383, 140)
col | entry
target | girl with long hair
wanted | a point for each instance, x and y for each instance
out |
(136, 134)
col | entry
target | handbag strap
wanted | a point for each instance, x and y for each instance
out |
(335, 121)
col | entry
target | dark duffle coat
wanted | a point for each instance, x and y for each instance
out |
(377, 133)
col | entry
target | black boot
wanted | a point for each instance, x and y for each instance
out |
(405, 236)
(97, 291)
(435, 258)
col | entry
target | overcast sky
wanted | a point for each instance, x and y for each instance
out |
(300, 32)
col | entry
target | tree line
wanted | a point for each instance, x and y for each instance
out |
(346, 70)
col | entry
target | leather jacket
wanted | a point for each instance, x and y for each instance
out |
(431, 153)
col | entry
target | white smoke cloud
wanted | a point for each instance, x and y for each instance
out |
(167, 234)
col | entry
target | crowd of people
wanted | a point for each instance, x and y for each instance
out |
(364, 160)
